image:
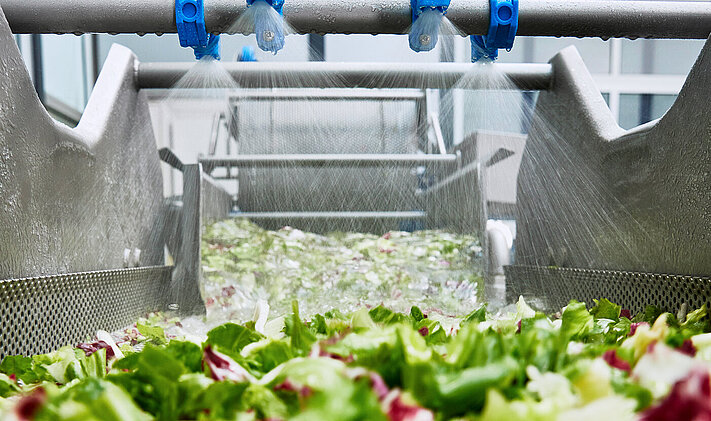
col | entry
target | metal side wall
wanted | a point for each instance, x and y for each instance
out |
(74, 200)
(593, 196)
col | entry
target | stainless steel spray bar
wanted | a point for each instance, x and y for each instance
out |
(576, 18)
(356, 75)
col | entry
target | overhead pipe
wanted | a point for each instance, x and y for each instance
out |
(354, 75)
(573, 18)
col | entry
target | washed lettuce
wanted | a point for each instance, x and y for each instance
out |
(380, 364)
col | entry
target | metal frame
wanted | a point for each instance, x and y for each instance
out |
(318, 160)
(578, 18)
(348, 75)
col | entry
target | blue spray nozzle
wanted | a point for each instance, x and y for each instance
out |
(212, 49)
(503, 24)
(419, 6)
(426, 19)
(277, 5)
(268, 24)
(247, 54)
(190, 21)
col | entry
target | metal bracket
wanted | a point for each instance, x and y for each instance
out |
(503, 24)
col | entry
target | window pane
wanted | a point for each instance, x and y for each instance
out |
(63, 70)
(594, 51)
(167, 47)
(659, 56)
(640, 109)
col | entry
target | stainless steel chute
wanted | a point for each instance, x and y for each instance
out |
(84, 224)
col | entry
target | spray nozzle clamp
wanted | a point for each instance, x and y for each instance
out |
(503, 24)
(419, 6)
(278, 5)
(190, 21)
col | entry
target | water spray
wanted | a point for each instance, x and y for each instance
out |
(426, 18)
(190, 21)
(503, 24)
(268, 23)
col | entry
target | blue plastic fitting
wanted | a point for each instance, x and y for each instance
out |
(278, 5)
(503, 24)
(419, 6)
(269, 32)
(425, 33)
(247, 54)
(212, 49)
(190, 20)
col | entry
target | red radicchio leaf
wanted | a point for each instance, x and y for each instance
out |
(397, 410)
(92, 347)
(228, 291)
(379, 386)
(303, 391)
(634, 326)
(689, 400)
(349, 359)
(223, 367)
(687, 348)
(625, 313)
(424, 331)
(29, 405)
(614, 361)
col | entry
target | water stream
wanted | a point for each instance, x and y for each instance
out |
(367, 121)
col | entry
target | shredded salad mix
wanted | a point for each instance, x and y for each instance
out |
(243, 264)
(366, 361)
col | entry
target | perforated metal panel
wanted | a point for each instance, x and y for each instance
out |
(40, 314)
(555, 287)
